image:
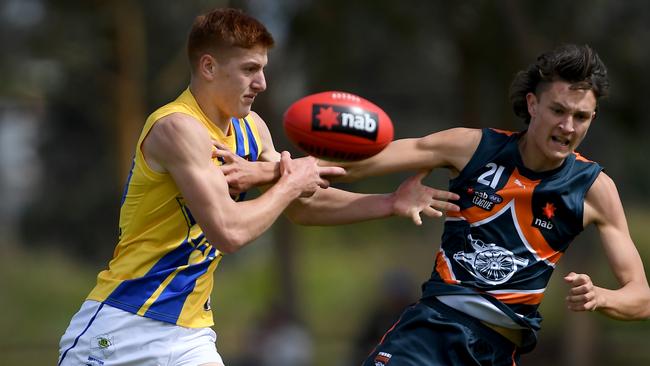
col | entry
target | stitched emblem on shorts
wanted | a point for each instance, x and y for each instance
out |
(382, 358)
(103, 344)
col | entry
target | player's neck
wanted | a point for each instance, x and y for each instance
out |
(534, 158)
(214, 114)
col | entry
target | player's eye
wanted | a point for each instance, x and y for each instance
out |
(250, 69)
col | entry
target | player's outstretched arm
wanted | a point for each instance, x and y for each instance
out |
(631, 301)
(334, 206)
(449, 149)
(179, 145)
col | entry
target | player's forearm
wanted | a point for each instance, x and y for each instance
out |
(631, 302)
(245, 221)
(334, 207)
(357, 170)
(261, 173)
(398, 156)
(267, 172)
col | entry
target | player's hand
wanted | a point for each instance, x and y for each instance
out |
(412, 198)
(241, 174)
(583, 295)
(304, 174)
(326, 172)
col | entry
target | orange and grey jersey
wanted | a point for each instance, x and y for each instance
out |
(163, 265)
(513, 227)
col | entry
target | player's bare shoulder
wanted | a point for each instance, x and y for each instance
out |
(454, 146)
(602, 201)
(174, 137)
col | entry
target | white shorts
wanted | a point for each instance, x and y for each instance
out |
(100, 334)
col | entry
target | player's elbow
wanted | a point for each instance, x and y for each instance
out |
(638, 305)
(230, 241)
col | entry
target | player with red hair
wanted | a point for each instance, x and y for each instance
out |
(151, 306)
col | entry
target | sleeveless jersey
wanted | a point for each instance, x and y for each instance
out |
(513, 227)
(162, 267)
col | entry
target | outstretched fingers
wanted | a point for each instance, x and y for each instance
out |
(441, 200)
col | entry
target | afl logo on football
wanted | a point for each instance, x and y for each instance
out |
(349, 120)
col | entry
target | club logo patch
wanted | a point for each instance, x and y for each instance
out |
(382, 358)
(103, 344)
(489, 263)
(348, 120)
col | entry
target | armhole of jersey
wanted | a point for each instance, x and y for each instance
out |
(140, 160)
(472, 161)
(260, 144)
(599, 169)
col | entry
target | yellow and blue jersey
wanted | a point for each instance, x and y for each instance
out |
(163, 265)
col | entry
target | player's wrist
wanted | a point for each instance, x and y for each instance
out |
(290, 187)
(391, 204)
(270, 171)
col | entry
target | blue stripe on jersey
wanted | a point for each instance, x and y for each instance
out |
(130, 295)
(170, 303)
(241, 149)
(252, 144)
(239, 135)
(128, 180)
(191, 221)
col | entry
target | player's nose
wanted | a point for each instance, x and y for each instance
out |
(259, 82)
(567, 124)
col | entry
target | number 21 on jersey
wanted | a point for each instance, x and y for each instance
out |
(491, 177)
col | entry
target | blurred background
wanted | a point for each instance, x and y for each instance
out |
(78, 79)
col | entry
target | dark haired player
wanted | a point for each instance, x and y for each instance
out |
(524, 197)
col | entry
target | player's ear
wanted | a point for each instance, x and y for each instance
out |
(531, 101)
(207, 66)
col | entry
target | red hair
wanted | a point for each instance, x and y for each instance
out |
(225, 28)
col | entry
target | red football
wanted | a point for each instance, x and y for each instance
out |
(337, 125)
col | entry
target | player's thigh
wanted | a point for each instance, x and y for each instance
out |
(425, 336)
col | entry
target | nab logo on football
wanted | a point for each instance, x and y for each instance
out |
(337, 126)
(353, 121)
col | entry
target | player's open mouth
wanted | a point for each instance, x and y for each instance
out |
(561, 141)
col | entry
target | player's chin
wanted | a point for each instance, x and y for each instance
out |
(242, 111)
(558, 156)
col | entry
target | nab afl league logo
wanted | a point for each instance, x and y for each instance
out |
(349, 120)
